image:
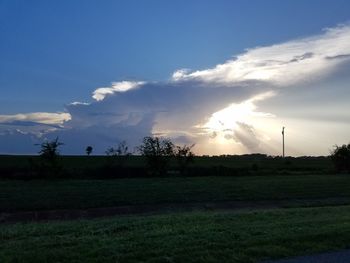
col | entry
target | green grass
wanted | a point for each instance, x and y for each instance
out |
(17, 195)
(183, 237)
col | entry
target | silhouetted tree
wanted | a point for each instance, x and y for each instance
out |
(88, 150)
(184, 157)
(157, 152)
(49, 149)
(341, 157)
(119, 154)
(49, 153)
(121, 150)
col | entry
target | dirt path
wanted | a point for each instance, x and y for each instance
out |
(71, 214)
(330, 257)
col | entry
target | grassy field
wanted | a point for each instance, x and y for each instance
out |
(175, 235)
(182, 237)
(19, 195)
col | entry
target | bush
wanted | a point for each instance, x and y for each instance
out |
(49, 158)
(88, 150)
(341, 158)
(157, 152)
(117, 157)
(184, 157)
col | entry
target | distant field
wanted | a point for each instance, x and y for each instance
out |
(19, 195)
(183, 237)
(100, 166)
(201, 161)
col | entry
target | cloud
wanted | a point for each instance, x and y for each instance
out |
(224, 109)
(228, 118)
(281, 64)
(34, 124)
(36, 117)
(123, 86)
(169, 109)
(79, 103)
(246, 135)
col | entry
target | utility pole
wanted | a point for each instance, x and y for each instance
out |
(283, 142)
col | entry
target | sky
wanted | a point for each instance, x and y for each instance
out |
(223, 75)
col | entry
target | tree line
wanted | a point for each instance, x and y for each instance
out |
(157, 151)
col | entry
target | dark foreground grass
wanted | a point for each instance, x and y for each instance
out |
(187, 237)
(234, 161)
(17, 195)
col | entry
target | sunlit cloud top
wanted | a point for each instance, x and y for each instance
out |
(280, 64)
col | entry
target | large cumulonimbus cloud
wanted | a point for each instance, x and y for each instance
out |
(220, 109)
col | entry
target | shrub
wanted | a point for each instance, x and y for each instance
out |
(88, 150)
(341, 158)
(119, 155)
(157, 152)
(49, 157)
(184, 157)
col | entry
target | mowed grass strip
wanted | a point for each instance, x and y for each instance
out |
(17, 195)
(182, 237)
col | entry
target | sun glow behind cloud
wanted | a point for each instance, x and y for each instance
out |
(228, 117)
(227, 125)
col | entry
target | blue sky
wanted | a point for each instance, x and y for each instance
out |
(54, 53)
